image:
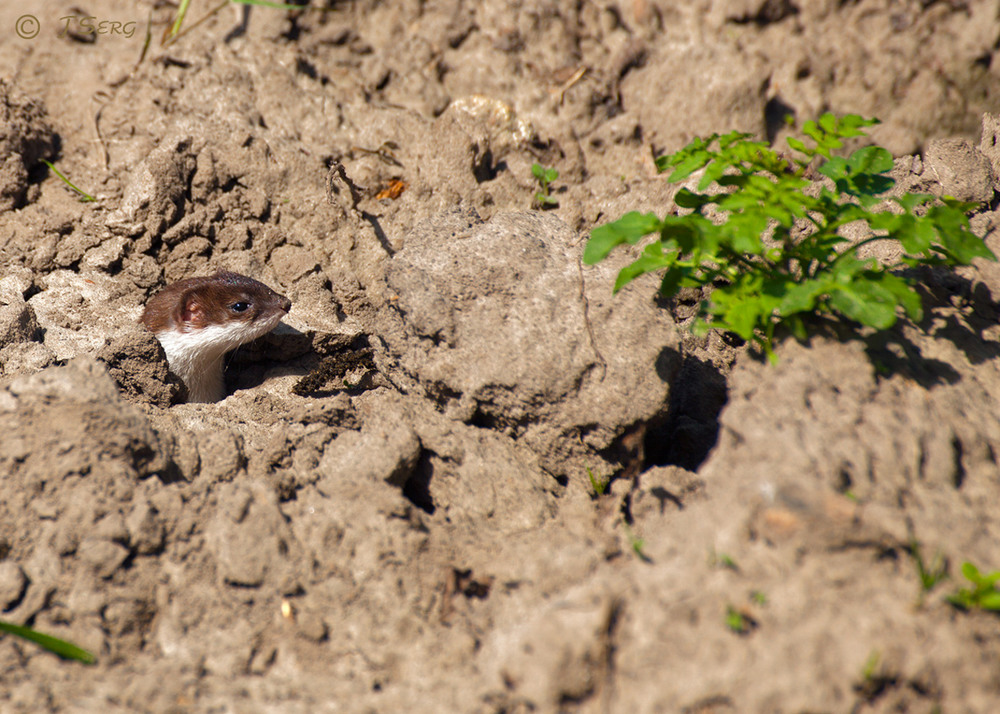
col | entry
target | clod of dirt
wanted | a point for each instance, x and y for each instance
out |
(501, 325)
(138, 365)
(12, 584)
(922, 432)
(155, 190)
(962, 171)
(385, 448)
(21, 351)
(17, 321)
(25, 139)
(562, 652)
(64, 421)
(250, 539)
(73, 455)
(80, 311)
(989, 144)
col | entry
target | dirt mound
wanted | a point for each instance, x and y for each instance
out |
(503, 328)
(463, 475)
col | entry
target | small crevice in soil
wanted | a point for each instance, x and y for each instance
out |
(417, 489)
(770, 11)
(958, 451)
(775, 112)
(483, 167)
(332, 369)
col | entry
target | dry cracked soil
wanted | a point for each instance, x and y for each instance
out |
(392, 511)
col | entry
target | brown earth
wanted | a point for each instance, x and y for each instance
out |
(392, 512)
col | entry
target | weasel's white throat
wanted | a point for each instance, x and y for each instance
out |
(196, 355)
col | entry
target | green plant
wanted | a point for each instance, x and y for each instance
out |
(870, 668)
(637, 544)
(598, 484)
(173, 32)
(84, 196)
(770, 245)
(983, 595)
(62, 648)
(722, 560)
(739, 621)
(545, 177)
(930, 574)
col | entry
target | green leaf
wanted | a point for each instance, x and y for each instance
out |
(551, 175)
(971, 572)
(904, 293)
(62, 648)
(850, 125)
(688, 199)
(714, 171)
(910, 201)
(914, 234)
(742, 317)
(652, 258)
(828, 122)
(798, 145)
(743, 230)
(865, 302)
(630, 228)
(870, 159)
(990, 601)
(870, 185)
(732, 138)
(956, 239)
(963, 206)
(672, 280)
(685, 231)
(802, 297)
(835, 168)
(84, 196)
(538, 170)
(689, 165)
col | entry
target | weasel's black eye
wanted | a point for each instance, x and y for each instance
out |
(240, 306)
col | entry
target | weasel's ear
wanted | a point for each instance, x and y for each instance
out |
(190, 311)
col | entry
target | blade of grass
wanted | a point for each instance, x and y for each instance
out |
(176, 27)
(62, 648)
(149, 37)
(169, 39)
(175, 33)
(84, 196)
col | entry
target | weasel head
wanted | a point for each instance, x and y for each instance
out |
(198, 320)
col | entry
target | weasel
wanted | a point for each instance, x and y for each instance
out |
(198, 320)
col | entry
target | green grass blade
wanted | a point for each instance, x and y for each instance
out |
(84, 196)
(181, 12)
(62, 648)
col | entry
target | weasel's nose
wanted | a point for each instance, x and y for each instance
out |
(285, 304)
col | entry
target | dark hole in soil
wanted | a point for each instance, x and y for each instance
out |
(417, 489)
(770, 11)
(685, 434)
(482, 420)
(483, 168)
(775, 112)
(844, 480)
